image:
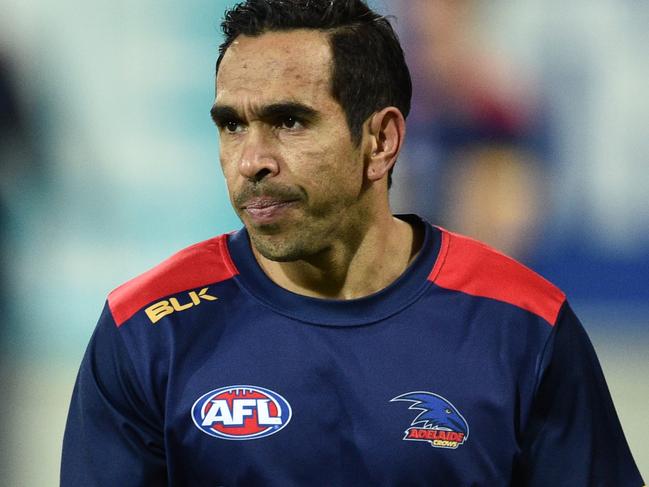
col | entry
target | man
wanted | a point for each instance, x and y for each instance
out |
(329, 342)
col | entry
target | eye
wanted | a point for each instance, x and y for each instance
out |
(290, 123)
(232, 127)
(447, 411)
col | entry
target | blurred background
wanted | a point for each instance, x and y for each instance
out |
(530, 130)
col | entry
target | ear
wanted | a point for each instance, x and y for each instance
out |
(387, 130)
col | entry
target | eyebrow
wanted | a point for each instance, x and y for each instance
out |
(223, 113)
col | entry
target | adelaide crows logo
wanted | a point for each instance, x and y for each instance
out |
(439, 422)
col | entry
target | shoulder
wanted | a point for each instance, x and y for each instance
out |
(473, 268)
(203, 263)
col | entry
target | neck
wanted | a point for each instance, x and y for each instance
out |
(351, 268)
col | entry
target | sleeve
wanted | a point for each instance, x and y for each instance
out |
(112, 437)
(573, 435)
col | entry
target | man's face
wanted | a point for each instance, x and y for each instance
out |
(294, 176)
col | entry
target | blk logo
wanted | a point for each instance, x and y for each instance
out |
(159, 310)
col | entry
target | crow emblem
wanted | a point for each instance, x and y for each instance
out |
(439, 422)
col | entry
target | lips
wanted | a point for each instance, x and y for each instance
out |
(266, 209)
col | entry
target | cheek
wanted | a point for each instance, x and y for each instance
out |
(229, 170)
(228, 160)
(336, 172)
(224, 155)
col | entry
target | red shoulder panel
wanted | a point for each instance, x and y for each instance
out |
(471, 267)
(203, 263)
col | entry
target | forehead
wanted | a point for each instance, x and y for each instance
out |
(288, 65)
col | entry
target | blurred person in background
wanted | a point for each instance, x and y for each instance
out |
(16, 161)
(476, 141)
(291, 327)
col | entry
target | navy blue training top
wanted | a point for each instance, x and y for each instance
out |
(469, 370)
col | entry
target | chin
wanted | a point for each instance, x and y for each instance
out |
(278, 248)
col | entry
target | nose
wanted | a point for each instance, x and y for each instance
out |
(258, 159)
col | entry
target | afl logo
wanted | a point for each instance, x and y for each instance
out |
(241, 413)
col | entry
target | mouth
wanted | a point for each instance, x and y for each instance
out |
(265, 210)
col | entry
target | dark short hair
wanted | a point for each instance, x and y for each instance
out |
(369, 68)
